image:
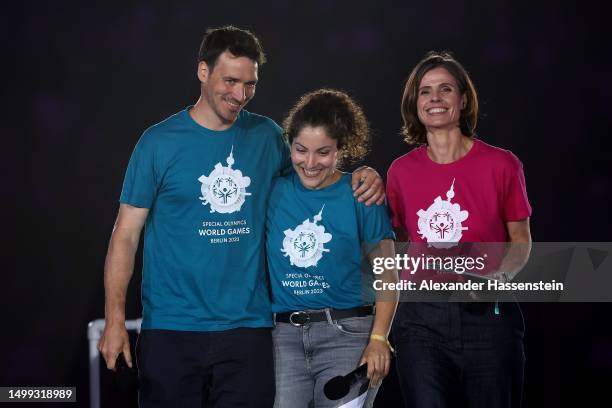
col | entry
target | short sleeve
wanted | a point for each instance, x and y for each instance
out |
(394, 199)
(516, 204)
(374, 224)
(140, 184)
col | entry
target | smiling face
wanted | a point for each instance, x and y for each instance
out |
(227, 88)
(315, 156)
(439, 101)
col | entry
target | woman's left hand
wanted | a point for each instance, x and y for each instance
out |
(372, 188)
(378, 358)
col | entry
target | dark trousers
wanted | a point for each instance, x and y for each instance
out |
(460, 354)
(233, 368)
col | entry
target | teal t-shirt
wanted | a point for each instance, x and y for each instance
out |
(207, 192)
(314, 241)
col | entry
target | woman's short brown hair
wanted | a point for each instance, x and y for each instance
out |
(413, 130)
(339, 114)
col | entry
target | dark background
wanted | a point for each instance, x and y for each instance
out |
(85, 79)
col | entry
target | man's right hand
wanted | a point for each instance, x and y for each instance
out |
(118, 270)
(115, 340)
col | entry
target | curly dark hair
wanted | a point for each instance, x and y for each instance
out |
(241, 43)
(413, 130)
(339, 114)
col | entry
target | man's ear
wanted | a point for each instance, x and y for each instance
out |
(203, 71)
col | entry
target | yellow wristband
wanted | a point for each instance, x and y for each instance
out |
(383, 339)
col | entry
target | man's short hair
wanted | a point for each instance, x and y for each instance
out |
(239, 42)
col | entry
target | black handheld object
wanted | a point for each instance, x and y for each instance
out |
(126, 378)
(338, 387)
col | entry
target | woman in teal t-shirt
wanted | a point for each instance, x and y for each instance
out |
(317, 235)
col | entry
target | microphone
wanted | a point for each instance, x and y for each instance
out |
(339, 386)
(126, 378)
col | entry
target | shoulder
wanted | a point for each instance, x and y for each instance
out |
(346, 183)
(406, 161)
(346, 191)
(282, 195)
(259, 123)
(282, 184)
(161, 131)
(283, 181)
(498, 157)
(265, 130)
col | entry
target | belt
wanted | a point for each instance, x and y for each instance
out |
(302, 317)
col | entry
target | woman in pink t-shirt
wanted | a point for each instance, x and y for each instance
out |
(450, 191)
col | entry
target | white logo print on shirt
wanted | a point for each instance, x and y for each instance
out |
(224, 188)
(304, 244)
(440, 224)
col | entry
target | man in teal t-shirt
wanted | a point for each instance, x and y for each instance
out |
(198, 183)
(202, 256)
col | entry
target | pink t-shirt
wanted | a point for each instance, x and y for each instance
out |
(469, 200)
